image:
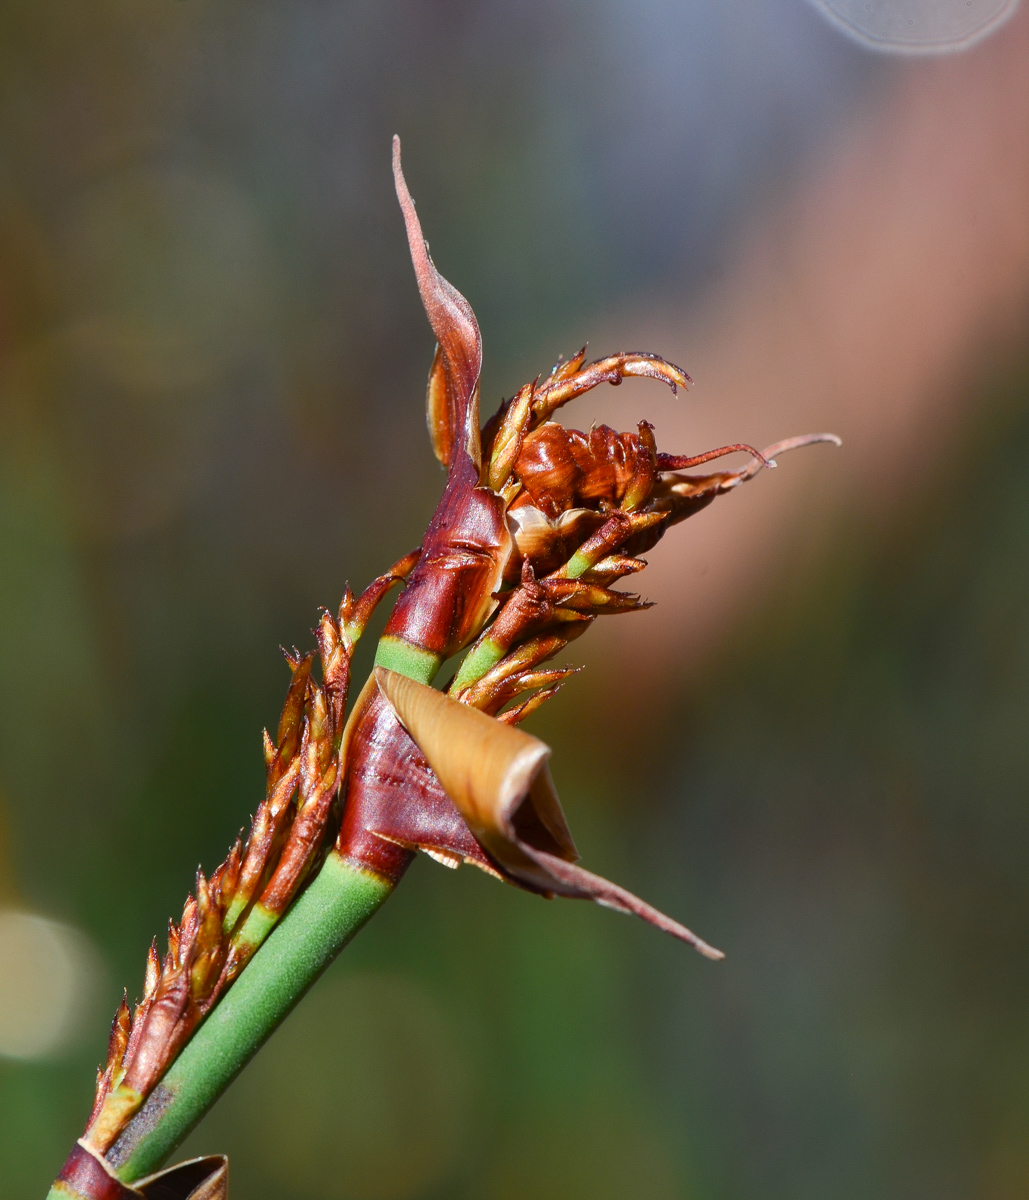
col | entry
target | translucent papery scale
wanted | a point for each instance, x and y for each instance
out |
(547, 542)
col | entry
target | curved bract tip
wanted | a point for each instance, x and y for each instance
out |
(452, 398)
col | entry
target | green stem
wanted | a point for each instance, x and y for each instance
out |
(406, 658)
(316, 928)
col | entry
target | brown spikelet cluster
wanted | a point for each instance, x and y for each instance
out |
(582, 507)
(536, 524)
(229, 914)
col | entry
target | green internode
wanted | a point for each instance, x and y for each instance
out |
(578, 565)
(407, 659)
(478, 661)
(327, 915)
(259, 923)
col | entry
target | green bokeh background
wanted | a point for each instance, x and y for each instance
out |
(212, 363)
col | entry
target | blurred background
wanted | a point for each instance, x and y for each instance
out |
(814, 749)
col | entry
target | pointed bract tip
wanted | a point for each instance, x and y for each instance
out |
(399, 182)
(805, 439)
(452, 397)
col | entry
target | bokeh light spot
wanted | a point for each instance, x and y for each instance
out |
(917, 26)
(48, 974)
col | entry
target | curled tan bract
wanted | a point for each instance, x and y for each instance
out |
(498, 779)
